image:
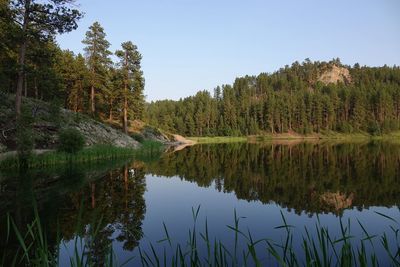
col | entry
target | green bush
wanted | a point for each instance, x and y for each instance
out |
(55, 113)
(345, 127)
(307, 129)
(25, 135)
(70, 141)
(374, 128)
(138, 137)
(389, 125)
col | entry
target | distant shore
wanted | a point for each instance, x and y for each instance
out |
(296, 137)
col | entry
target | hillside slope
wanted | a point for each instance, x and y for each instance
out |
(49, 120)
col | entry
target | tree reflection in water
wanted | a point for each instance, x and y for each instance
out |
(100, 203)
(311, 177)
(104, 203)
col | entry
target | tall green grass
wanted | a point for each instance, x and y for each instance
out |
(218, 139)
(319, 247)
(149, 149)
(34, 248)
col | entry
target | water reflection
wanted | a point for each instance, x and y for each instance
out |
(99, 203)
(104, 203)
(315, 178)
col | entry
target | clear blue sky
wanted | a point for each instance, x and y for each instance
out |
(191, 45)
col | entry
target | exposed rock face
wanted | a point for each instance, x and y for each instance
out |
(154, 134)
(337, 200)
(98, 133)
(334, 75)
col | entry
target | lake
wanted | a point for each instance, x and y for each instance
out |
(121, 206)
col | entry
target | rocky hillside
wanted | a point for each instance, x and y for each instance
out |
(49, 120)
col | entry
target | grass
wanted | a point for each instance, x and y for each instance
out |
(318, 247)
(148, 149)
(218, 139)
(324, 135)
(34, 249)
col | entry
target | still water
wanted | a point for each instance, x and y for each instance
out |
(129, 202)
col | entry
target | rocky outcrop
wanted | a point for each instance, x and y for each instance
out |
(154, 134)
(334, 75)
(99, 133)
(175, 140)
(48, 121)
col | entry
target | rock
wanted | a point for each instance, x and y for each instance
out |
(154, 134)
(48, 123)
(334, 75)
(98, 133)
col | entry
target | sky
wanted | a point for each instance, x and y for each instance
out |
(192, 45)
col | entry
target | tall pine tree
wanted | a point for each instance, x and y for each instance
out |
(98, 60)
(133, 82)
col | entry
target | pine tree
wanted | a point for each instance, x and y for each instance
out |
(98, 60)
(39, 20)
(133, 82)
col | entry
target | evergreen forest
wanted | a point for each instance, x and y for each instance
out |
(33, 65)
(295, 98)
(109, 85)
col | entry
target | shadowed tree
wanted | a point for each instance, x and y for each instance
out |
(39, 20)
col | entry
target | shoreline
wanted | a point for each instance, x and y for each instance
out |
(331, 136)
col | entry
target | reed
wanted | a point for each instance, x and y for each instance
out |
(218, 139)
(319, 247)
(95, 153)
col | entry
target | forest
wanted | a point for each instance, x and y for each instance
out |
(295, 98)
(33, 65)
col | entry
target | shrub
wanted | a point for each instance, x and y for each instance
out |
(138, 137)
(307, 129)
(55, 113)
(345, 127)
(70, 141)
(389, 125)
(374, 128)
(24, 135)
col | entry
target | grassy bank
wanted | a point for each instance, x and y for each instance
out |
(326, 135)
(218, 139)
(148, 149)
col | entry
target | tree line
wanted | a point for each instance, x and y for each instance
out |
(33, 65)
(290, 99)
